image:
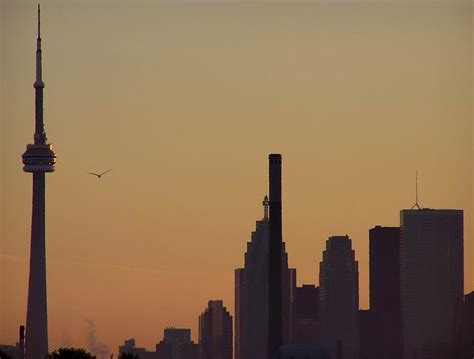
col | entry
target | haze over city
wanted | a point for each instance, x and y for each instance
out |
(184, 101)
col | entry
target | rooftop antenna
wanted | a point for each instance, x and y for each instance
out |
(416, 205)
(266, 204)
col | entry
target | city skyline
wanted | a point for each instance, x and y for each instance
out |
(344, 183)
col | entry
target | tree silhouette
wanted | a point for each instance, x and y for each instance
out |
(70, 353)
(128, 355)
(4, 355)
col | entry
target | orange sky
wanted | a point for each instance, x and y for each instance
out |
(184, 101)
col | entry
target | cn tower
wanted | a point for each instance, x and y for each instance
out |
(38, 159)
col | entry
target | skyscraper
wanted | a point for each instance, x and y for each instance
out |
(339, 298)
(215, 332)
(38, 159)
(385, 311)
(275, 332)
(431, 281)
(251, 294)
(306, 323)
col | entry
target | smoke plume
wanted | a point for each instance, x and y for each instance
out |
(94, 346)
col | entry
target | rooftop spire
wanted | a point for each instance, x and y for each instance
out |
(40, 135)
(265, 203)
(416, 205)
(39, 80)
(39, 22)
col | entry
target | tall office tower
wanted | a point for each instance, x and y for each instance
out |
(215, 332)
(339, 298)
(306, 324)
(38, 159)
(177, 344)
(385, 308)
(431, 281)
(251, 295)
(275, 332)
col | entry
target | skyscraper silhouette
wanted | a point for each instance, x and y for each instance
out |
(385, 311)
(215, 332)
(275, 333)
(339, 298)
(306, 323)
(251, 294)
(38, 159)
(431, 281)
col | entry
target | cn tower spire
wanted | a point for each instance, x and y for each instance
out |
(38, 159)
(40, 135)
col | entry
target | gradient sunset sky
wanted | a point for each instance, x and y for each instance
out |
(184, 100)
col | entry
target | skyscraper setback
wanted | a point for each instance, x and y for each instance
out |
(431, 281)
(215, 332)
(251, 295)
(38, 159)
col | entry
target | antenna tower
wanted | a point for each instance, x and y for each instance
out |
(416, 205)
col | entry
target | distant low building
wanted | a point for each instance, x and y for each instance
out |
(16, 351)
(177, 344)
(129, 347)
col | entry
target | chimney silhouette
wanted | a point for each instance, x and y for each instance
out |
(274, 260)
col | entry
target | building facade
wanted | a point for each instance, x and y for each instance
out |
(215, 332)
(431, 281)
(339, 298)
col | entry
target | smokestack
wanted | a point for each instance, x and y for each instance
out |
(21, 344)
(274, 261)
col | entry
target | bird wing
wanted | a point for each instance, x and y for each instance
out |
(103, 173)
(92, 173)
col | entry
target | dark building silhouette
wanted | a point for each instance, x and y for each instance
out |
(431, 281)
(251, 295)
(385, 310)
(339, 299)
(306, 323)
(129, 347)
(215, 332)
(38, 159)
(367, 327)
(16, 351)
(240, 322)
(275, 332)
(177, 344)
(467, 341)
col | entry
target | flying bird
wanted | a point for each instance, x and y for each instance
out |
(99, 174)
